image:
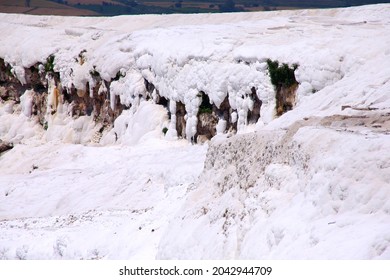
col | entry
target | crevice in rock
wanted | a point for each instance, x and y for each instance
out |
(161, 100)
(5, 146)
(10, 87)
(254, 114)
(226, 113)
(207, 120)
(149, 86)
(180, 120)
(285, 98)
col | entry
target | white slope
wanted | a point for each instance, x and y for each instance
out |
(73, 202)
(310, 184)
(316, 192)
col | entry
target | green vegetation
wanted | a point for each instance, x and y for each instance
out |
(134, 7)
(9, 72)
(165, 130)
(205, 110)
(49, 65)
(123, 7)
(285, 84)
(6, 68)
(205, 107)
(229, 6)
(281, 75)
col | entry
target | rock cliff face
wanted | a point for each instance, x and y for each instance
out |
(47, 92)
(100, 67)
(285, 98)
(10, 87)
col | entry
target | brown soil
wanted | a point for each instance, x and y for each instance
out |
(41, 7)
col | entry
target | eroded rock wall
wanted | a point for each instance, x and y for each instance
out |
(47, 92)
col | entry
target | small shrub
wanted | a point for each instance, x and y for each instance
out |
(165, 130)
(205, 107)
(45, 126)
(285, 84)
(9, 72)
(205, 110)
(49, 65)
(281, 75)
(7, 68)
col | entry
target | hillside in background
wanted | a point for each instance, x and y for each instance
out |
(123, 7)
(42, 7)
